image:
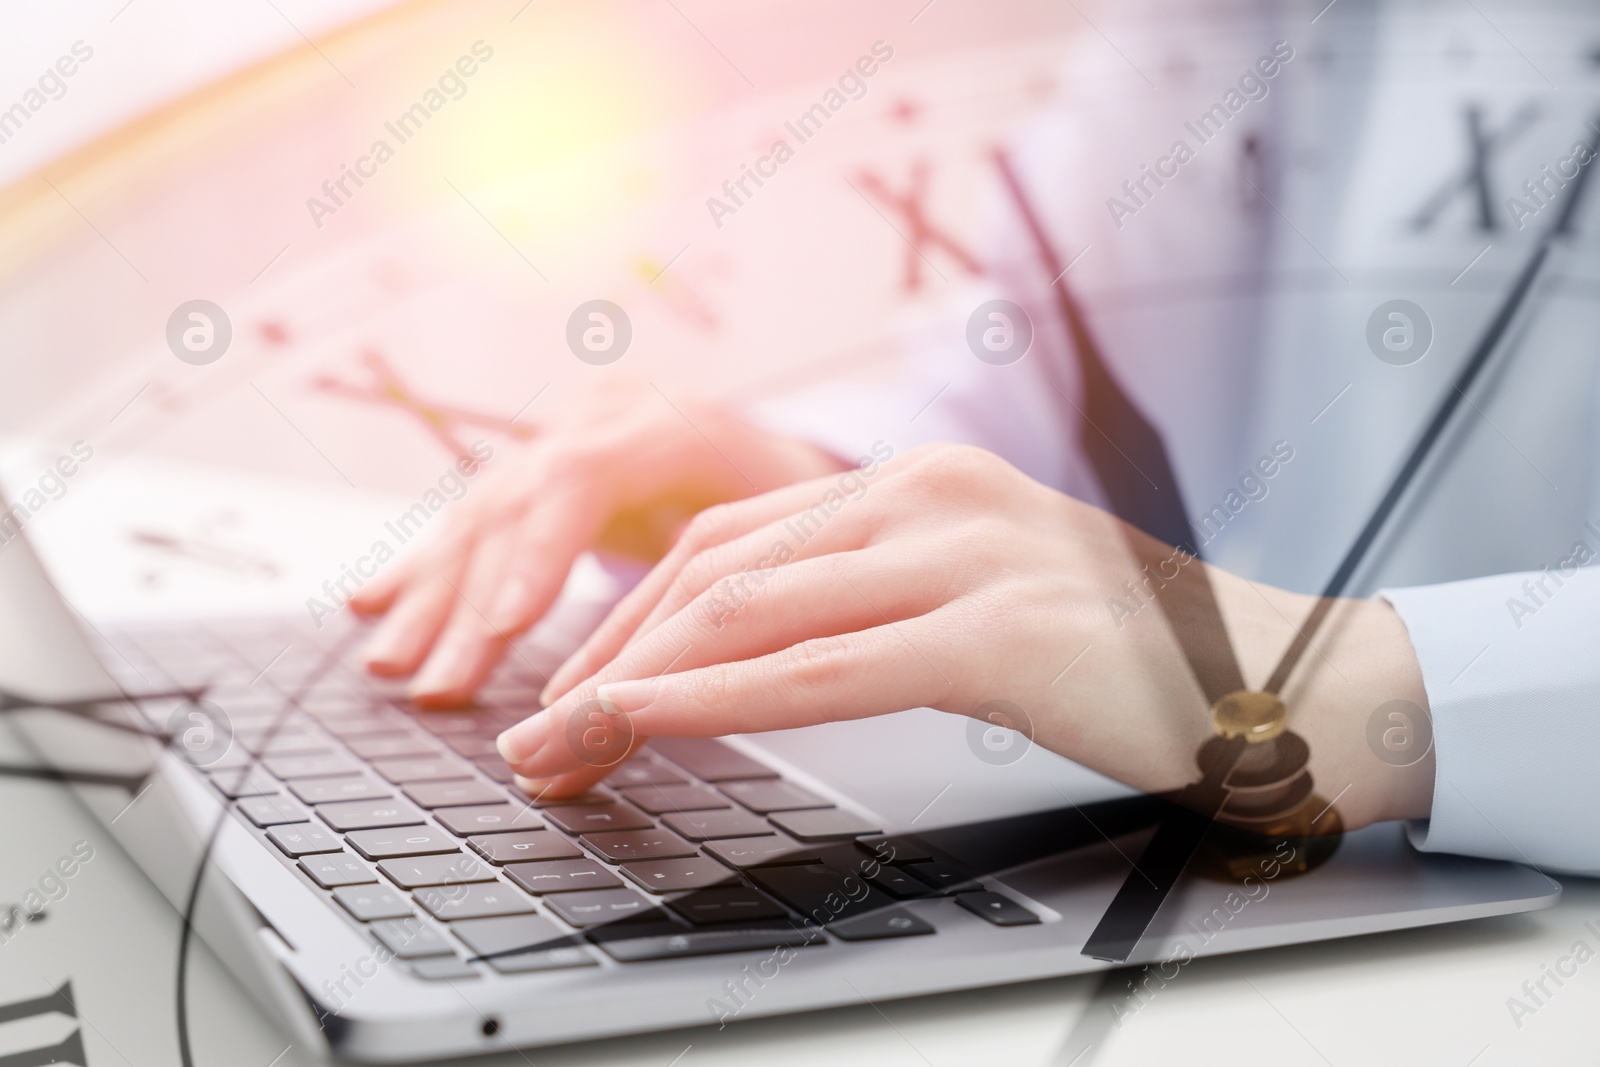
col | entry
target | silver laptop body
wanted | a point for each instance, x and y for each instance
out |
(950, 808)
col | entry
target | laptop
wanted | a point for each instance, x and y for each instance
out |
(373, 877)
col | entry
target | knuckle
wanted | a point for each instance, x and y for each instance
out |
(707, 687)
(705, 528)
(818, 664)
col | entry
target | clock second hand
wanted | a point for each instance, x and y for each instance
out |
(1488, 342)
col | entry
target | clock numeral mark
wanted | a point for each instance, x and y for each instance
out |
(924, 237)
(58, 1002)
(1253, 179)
(1474, 180)
(388, 389)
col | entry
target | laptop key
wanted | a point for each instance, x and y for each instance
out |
(473, 901)
(323, 790)
(489, 819)
(709, 759)
(337, 869)
(709, 825)
(764, 797)
(349, 727)
(637, 942)
(401, 771)
(236, 782)
(879, 924)
(1002, 911)
(936, 874)
(561, 876)
(593, 796)
(520, 943)
(287, 767)
(676, 875)
(286, 740)
(443, 969)
(472, 746)
(302, 839)
(822, 824)
(401, 841)
(369, 903)
(894, 849)
(624, 845)
(453, 793)
(658, 799)
(598, 907)
(370, 814)
(641, 771)
(271, 811)
(522, 847)
(773, 849)
(392, 746)
(588, 818)
(411, 938)
(898, 883)
(708, 907)
(824, 894)
(455, 723)
(414, 872)
(496, 768)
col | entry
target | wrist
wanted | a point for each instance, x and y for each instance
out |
(1359, 685)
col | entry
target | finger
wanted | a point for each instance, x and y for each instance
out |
(711, 527)
(574, 783)
(379, 594)
(422, 599)
(845, 676)
(725, 579)
(408, 631)
(839, 593)
(547, 541)
(467, 647)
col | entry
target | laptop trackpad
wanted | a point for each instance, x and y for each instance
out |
(923, 769)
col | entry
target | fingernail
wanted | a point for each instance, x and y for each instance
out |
(628, 696)
(523, 741)
(444, 671)
(509, 606)
(534, 787)
(380, 655)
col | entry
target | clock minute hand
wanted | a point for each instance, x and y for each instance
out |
(1488, 342)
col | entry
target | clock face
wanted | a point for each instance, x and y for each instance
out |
(1288, 263)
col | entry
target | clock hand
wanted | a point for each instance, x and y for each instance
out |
(1488, 342)
(1176, 840)
(1112, 429)
(1133, 469)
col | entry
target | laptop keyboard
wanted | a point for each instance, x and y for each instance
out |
(407, 822)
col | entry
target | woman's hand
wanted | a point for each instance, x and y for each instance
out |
(947, 579)
(621, 470)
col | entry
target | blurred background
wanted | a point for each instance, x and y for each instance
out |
(377, 335)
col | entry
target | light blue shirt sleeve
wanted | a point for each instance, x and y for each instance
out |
(1512, 673)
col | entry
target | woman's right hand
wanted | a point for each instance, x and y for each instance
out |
(621, 470)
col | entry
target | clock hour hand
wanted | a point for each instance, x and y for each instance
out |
(1133, 469)
(1131, 464)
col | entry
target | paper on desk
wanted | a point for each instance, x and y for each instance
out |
(139, 538)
